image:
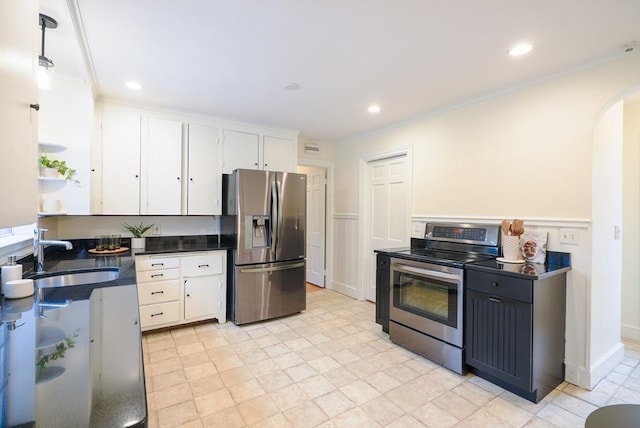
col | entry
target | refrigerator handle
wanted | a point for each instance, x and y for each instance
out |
(272, 268)
(274, 216)
(279, 193)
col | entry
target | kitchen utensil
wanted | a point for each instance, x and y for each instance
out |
(505, 227)
(518, 227)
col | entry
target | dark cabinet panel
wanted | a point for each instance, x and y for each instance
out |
(499, 337)
(383, 280)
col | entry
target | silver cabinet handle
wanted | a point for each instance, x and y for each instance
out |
(156, 275)
(157, 292)
(157, 315)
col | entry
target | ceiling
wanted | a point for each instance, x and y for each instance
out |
(230, 59)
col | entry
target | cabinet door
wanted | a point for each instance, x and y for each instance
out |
(239, 150)
(120, 163)
(162, 168)
(498, 337)
(202, 296)
(18, 122)
(279, 154)
(204, 186)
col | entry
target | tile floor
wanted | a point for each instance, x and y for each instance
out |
(332, 366)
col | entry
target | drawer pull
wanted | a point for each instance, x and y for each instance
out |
(157, 274)
(201, 266)
(495, 300)
(157, 264)
(495, 284)
(157, 292)
(157, 315)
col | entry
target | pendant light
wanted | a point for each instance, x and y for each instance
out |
(46, 64)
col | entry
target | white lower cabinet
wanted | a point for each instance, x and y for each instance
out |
(179, 288)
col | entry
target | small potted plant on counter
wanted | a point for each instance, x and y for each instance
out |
(138, 232)
(55, 168)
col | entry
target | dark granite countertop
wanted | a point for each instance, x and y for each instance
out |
(557, 263)
(97, 376)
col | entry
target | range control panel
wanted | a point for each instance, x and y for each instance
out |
(474, 234)
(478, 234)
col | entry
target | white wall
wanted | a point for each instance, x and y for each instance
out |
(87, 227)
(605, 349)
(66, 117)
(525, 153)
(631, 223)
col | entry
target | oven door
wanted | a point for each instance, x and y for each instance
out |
(427, 298)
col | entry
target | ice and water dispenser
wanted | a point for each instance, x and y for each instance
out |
(257, 231)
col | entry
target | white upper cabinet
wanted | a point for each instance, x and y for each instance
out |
(120, 163)
(204, 186)
(279, 154)
(18, 122)
(240, 150)
(161, 169)
(248, 150)
(146, 164)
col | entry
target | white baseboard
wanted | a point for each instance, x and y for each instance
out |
(630, 332)
(346, 289)
(589, 378)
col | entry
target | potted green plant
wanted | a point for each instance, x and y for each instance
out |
(57, 168)
(138, 232)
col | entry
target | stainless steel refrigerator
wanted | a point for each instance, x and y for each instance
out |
(268, 211)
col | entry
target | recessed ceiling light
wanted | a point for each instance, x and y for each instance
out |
(133, 85)
(374, 108)
(291, 86)
(520, 49)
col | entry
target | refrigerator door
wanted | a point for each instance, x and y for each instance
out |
(255, 201)
(290, 222)
(270, 290)
(270, 209)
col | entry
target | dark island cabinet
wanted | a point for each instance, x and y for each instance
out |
(383, 279)
(514, 331)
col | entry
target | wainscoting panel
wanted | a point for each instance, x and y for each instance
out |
(346, 262)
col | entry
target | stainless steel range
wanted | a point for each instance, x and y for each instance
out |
(427, 289)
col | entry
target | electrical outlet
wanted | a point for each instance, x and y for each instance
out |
(156, 229)
(569, 236)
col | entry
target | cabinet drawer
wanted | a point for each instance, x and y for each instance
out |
(206, 264)
(158, 314)
(154, 263)
(158, 291)
(500, 285)
(157, 275)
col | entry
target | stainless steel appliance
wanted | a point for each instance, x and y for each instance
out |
(268, 209)
(427, 289)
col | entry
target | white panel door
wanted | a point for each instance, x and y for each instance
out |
(204, 186)
(389, 217)
(279, 154)
(316, 202)
(120, 163)
(239, 150)
(162, 178)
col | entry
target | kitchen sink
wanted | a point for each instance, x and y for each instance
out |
(71, 278)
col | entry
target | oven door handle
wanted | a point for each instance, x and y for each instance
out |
(432, 273)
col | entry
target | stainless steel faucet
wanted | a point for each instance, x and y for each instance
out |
(38, 248)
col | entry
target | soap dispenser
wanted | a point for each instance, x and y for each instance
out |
(10, 272)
